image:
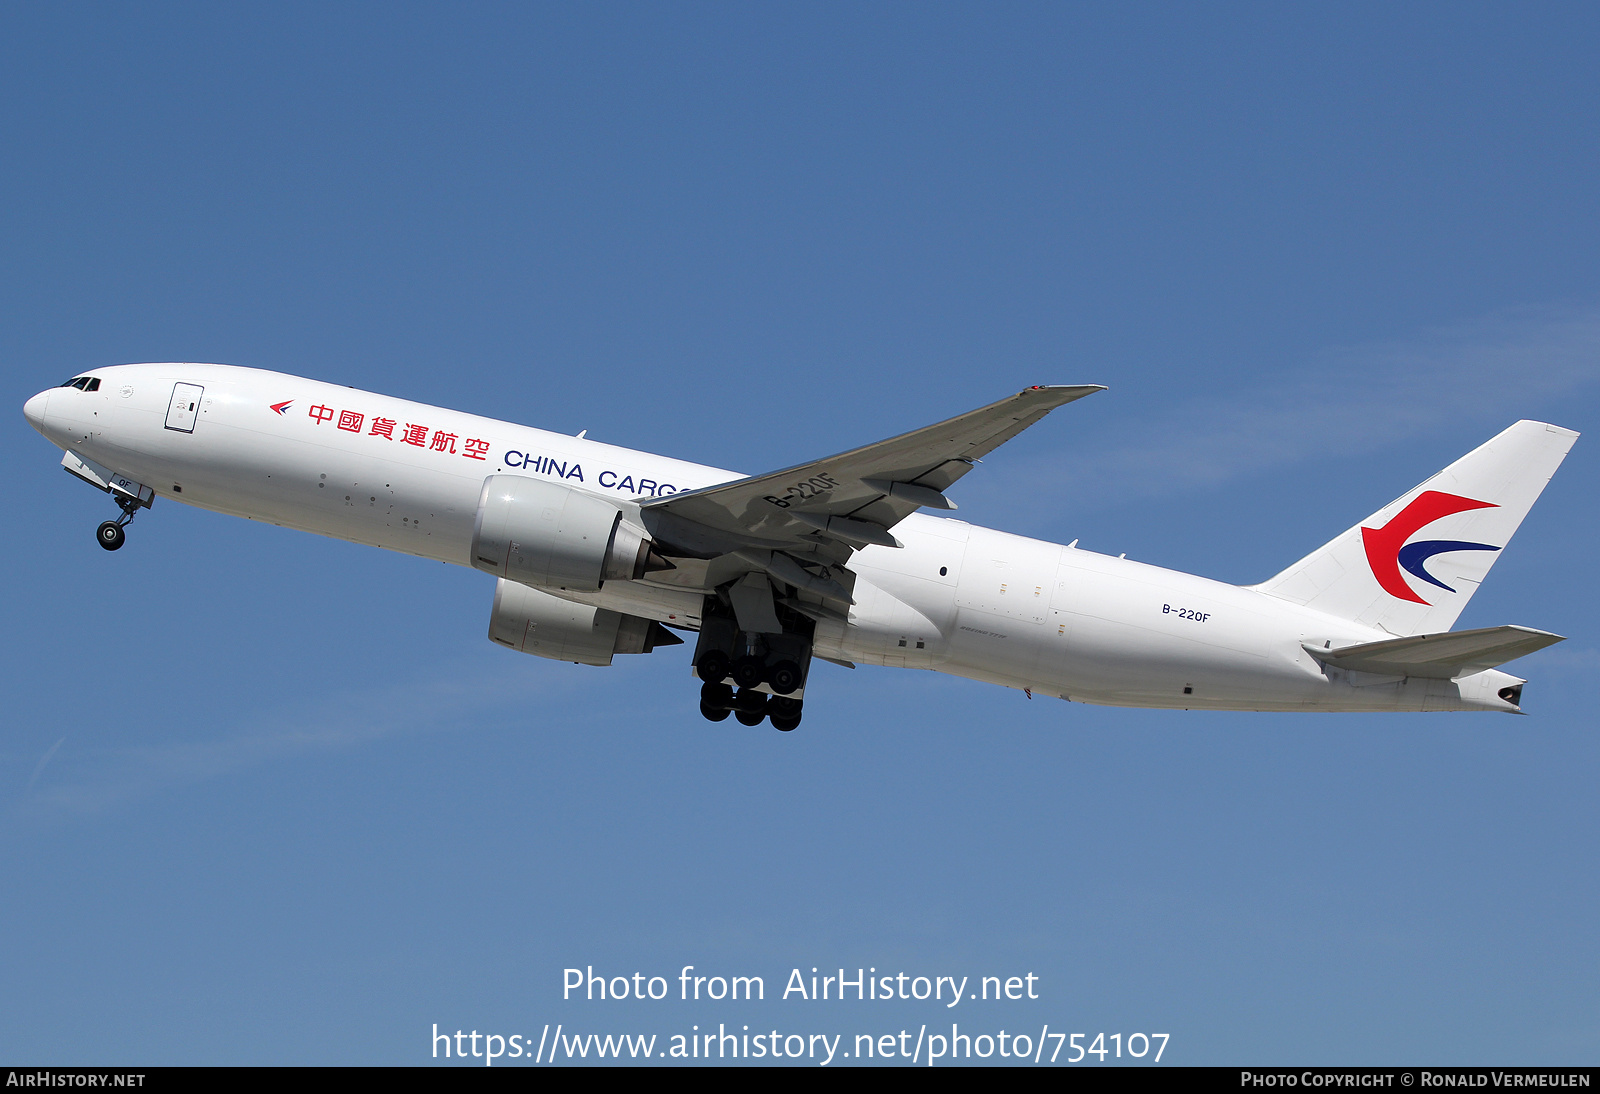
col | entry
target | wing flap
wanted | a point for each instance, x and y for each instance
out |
(1444, 656)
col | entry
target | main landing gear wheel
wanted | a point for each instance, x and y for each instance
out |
(713, 667)
(750, 706)
(784, 677)
(784, 712)
(716, 701)
(748, 671)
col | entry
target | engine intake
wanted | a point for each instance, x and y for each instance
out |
(543, 533)
(545, 625)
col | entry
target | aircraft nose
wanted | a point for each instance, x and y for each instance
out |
(33, 410)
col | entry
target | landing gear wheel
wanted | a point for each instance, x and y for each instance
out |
(110, 535)
(752, 702)
(750, 706)
(784, 677)
(784, 707)
(713, 667)
(784, 712)
(716, 695)
(748, 671)
(714, 713)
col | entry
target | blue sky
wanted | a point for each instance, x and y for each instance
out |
(271, 798)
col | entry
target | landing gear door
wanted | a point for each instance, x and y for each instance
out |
(185, 407)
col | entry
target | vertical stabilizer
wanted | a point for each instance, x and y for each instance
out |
(1411, 567)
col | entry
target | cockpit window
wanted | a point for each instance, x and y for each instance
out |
(84, 383)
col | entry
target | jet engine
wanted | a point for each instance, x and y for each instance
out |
(545, 625)
(543, 533)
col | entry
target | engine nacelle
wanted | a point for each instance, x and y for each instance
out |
(543, 533)
(545, 625)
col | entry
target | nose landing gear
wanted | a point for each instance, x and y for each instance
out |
(110, 535)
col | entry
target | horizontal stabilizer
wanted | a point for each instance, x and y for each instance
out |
(1438, 656)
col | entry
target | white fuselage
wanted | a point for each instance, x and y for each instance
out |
(958, 598)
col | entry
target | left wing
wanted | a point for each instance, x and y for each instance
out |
(825, 509)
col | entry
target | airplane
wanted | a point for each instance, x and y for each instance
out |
(598, 550)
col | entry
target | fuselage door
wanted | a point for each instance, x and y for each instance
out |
(185, 407)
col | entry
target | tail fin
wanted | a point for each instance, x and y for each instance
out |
(1377, 574)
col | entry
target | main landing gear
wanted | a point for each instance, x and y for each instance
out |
(110, 535)
(749, 706)
(753, 677)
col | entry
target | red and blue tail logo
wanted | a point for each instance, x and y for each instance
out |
(1388, 551)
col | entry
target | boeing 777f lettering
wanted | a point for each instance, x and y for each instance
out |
(598, 550)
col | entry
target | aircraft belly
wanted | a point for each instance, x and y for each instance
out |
(888, 630)
(1114, 661)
